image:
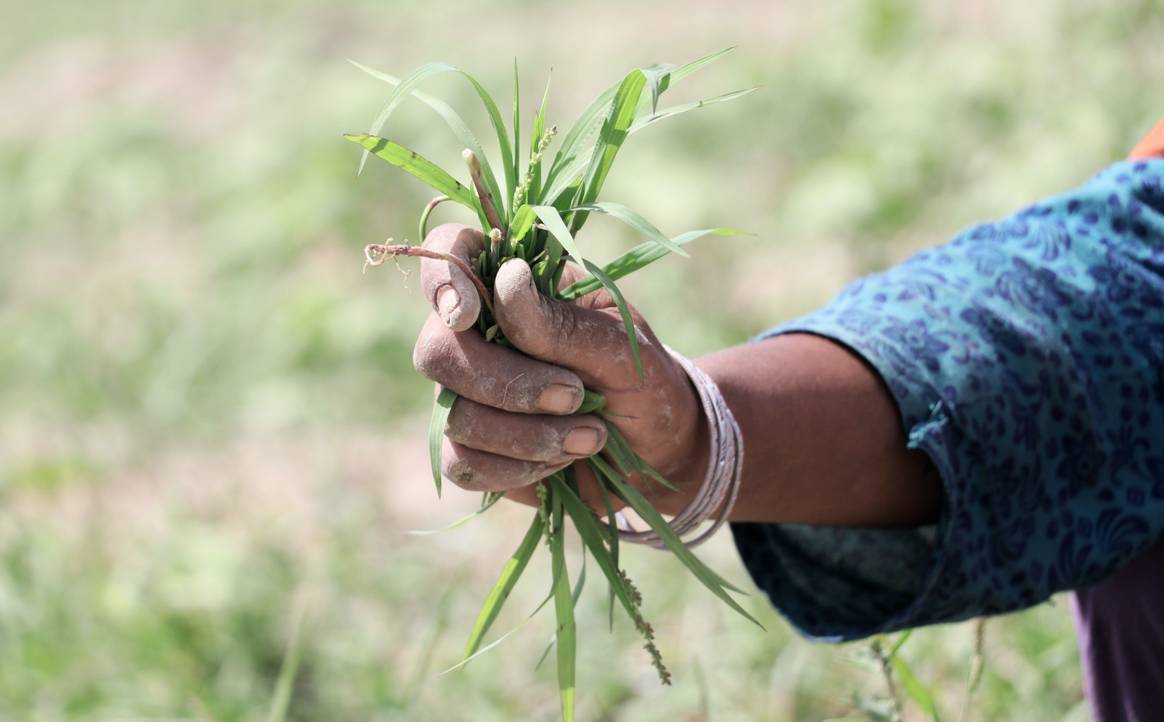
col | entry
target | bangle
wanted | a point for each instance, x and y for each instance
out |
(721, 484)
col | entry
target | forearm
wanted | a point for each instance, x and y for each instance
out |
(822, 436)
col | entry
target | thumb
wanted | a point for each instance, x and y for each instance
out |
(452, 295)
(590, 342)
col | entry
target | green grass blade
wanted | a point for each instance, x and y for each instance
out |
(549, 268)
(716, 584)
(899, 642)
(659, 79)
(539, 129)
(486, 506)
(281, 698)
(592, 401)
(484, 649)
(510, 573)
(635, 221)
(576, 141)
(519, 225)
(917, 691)
(564, 609)
(515, 161)
(557, 228)
(569, 178)
(417, 165)
(685, 107)
(573, 153)
(455, 122)
(610, 139)
(684, 70)
(612, 534)
(578, 586)
(591, 534)
(436, 432)
(403, 89)
(641, 255)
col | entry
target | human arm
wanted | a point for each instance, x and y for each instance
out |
(823, 438)
(1025, 360)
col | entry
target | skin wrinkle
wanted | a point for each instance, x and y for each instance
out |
(467, 365)
(519, 436)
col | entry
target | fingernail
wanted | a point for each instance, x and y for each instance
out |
(582, 441)
(447, 301)
(559, 399)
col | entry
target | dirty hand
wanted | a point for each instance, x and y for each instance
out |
(512, 424)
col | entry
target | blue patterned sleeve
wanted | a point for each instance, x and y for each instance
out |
(1026, 358)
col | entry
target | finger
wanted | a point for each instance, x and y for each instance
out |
(532, 437)
(475, 470)
(452, 295)
(589, 341)
(492, 374)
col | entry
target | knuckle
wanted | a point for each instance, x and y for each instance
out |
(561, 323)
(462, 473)
(440, 237)
(431, 356)
(422, 358)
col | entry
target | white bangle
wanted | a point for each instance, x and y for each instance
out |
(721, 483)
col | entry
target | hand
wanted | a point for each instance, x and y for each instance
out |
(512, 425)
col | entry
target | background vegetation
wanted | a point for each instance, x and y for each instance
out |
(209, 426)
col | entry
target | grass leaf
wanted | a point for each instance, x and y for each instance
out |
(455, 122)
(635, 221)
(519, 225)
(565, 183)
(557, 228)
(610, 139)
(715, 583)
(612, 534)
(659, 78)
(510, 573)
(592, 401)
(576, 143)
(403, 89)
(441, 409)
(281, 699)
(515, 161)
(539, 129)
(698, 64)
(485, 506)
(680, 109)
(591, 534)
(917, 691)
(417, 165)
(578, 586)
(641, 255)
(564, 609)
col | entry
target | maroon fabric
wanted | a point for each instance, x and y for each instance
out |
(1121, 639)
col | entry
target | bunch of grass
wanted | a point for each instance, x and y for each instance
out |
(534, 209)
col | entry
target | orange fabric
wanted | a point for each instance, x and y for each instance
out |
(1152, 146)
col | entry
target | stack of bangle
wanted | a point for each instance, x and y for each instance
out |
(721, 484)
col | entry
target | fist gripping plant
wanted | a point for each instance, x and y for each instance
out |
(533, 210)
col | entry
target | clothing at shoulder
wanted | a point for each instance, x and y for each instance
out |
(1026, 358)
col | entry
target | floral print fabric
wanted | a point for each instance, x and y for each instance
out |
(1026, 358)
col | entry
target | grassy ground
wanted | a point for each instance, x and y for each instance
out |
(208, 421)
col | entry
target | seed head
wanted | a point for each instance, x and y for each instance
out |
(471, 160)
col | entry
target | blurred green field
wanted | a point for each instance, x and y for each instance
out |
(209, 423)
